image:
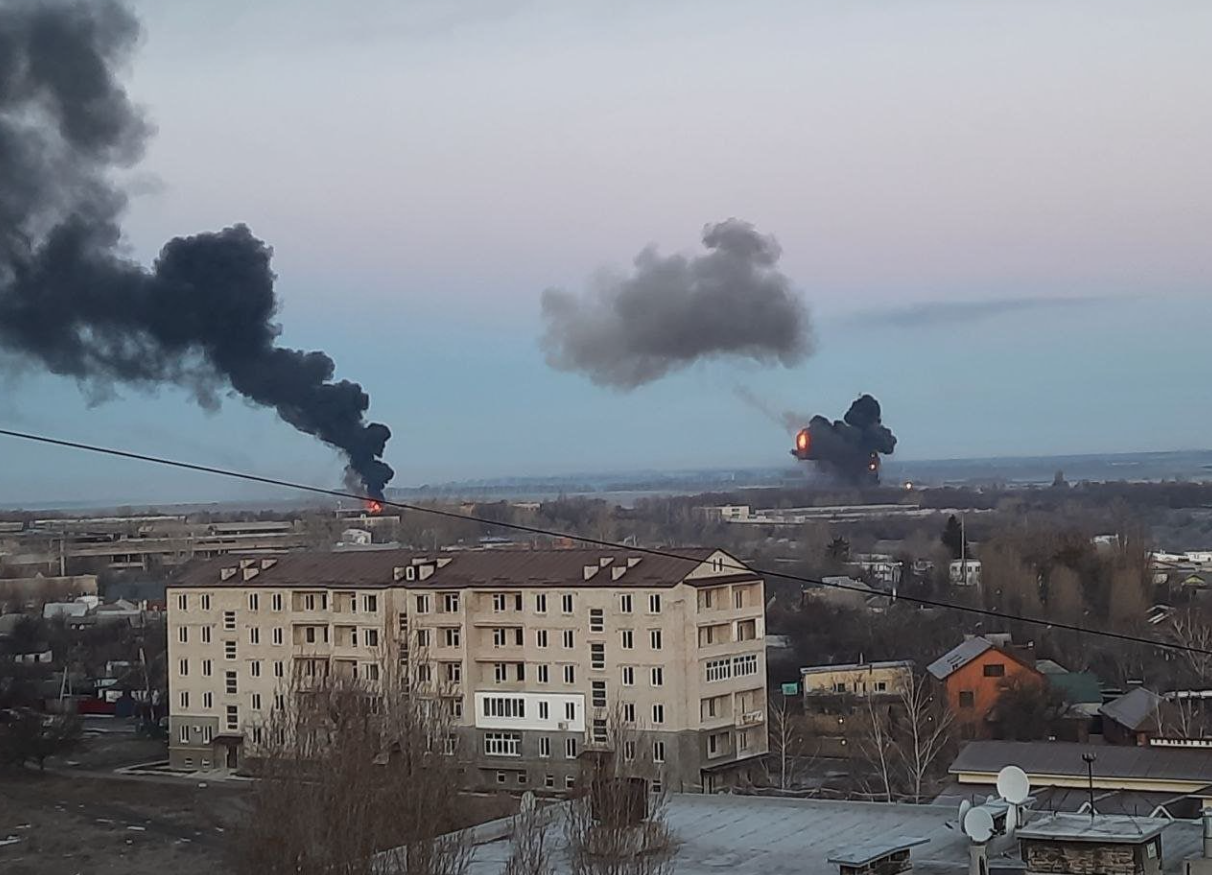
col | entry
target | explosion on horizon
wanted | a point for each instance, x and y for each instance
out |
(850, 447)
(72, 303)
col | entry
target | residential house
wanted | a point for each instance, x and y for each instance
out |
(974, 674)
(1136, 717)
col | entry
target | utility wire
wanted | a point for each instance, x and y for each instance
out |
(585, 539)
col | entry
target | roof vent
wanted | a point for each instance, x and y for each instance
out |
(589, 571)
(251, 571)
(245, 563)
(419, 560)
(266, 564)
(426, 570)
(397, 573)
(633, 561)
(604, 561)
(227, 573)
(617, 572)
(443, 561)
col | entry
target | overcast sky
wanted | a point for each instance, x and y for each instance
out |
(1000, 214)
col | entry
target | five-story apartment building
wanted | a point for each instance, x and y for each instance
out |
(542, 657)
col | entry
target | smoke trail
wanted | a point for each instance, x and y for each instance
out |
(675, 310)
(203, 317)
(790, 420)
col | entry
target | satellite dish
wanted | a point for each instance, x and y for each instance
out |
(965, 807)
(978, 825)
(1011, 820)
(990, 799)
(1013, 784)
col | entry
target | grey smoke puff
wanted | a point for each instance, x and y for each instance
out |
(674, 310)
(69, 302)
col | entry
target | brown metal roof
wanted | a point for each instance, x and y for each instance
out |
(1064, 758)
(473, 568)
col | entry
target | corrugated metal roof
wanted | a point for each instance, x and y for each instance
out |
(472, 568)
(1134, 709)
(957, 657)
(850, 666)
(1064, 758)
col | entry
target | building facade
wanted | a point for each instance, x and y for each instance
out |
(541, 657)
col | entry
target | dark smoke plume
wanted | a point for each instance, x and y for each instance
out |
(674, 310)
(202, 318)
(850, 447)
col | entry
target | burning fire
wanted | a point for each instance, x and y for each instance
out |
(373, 506)
(801, 440)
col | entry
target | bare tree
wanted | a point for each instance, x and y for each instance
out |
(617, 824)
(356, 777)
(877, 748)
(925, 734)
(1192, 630)
(786, 741)
(529, 853)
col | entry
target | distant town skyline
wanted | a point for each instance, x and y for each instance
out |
(997, 214)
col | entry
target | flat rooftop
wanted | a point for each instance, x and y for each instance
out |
(1109, 828)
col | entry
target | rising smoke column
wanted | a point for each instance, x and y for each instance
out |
(674, 310)
(849, 447)
(69, 302)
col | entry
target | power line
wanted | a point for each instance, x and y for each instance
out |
(585, 539)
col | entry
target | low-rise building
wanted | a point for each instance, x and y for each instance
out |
(965, 572)
(856, 679)
(974, 675)
(531, 653)
(880, 567)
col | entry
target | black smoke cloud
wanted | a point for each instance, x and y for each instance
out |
(672, 311)
(203, 317)
(848, 447)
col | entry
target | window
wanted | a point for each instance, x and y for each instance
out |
(658, 714)
(422, 638)
(500, 672)
(504, 706)
(183, 733)
(422, 604)
(570, 674)
(208, 735)
(654, 603)
(566, 603)
(207, 666)
(254, 601)
(738, 598)
(372, 637)
(629, 676)
(549, 781)
(658, 676)
(500, 777)
(208, 700)
(450, 602)
(745, 665)
(183, 604)
(625, 603)
(279, 702)
(498, 602)
(570, 710)
(628, 636)
(597, 656)
(713, 744)
(597, 620)
(424, 672)
(654, 637)
(544, 711)
(540, 603)
(570, 749)
(183, 634)
(450, 744)
(454, 672)
(629, 751)
(599, 730)
(544, 746)
(229, 682)
(995, 670)
(598, 694)
(569, 639)
(658, 753)
(521, 777)
(279, 668)
(184, 698)
(256, 701)
(967, 699)
(881, 686)
(498, 637)
(254, 635)
(205, 601)
(719, 669)
(570, 782)
(517, 601)
(708, 597)
(629, 712)
(254, 668)
(544, 672)
(540, 637)
(712, 707)
(520, 670)
(183, 668)
(372, 671)
(206, 634)
(503, 744)
(275, 601)
(742, 740)
(839, 687)
(370, 603)
(277, 635)
(746, 630)
(309, 635)
(452, 638)
(233, 716)
(229, 620)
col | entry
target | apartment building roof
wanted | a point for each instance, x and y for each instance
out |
(461, 570)
(1062, 759)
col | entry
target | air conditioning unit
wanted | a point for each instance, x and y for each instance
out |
(563, 725)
